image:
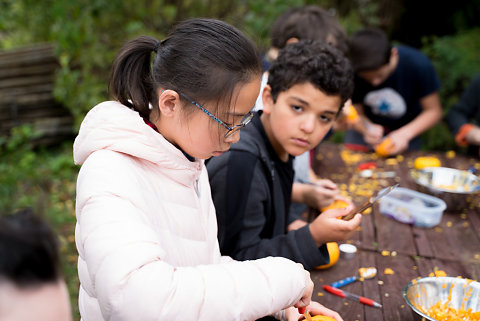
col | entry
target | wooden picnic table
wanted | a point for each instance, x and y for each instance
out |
(453, 246)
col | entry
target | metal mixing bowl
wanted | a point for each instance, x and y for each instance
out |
(425, 292)
(444, 179)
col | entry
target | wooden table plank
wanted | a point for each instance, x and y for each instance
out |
(394, 306)
(394, 236)
(422, 242)
(366, 234)
(349, 310)
(371, 288)
(453, 239)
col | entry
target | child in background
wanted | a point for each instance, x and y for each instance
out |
(305, 23)
(464, 118)
(251, 185)
(31, 287)
(396, 92)
(146, 226)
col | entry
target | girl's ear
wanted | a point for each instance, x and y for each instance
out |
(168, 102)
(267, 99)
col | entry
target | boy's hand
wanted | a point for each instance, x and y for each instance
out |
(314, 308)
(373, 134)
(322, 194)
(295, 225)
(473, 136)
(327, 228)
(399, 140)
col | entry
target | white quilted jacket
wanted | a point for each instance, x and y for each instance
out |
(146, 233)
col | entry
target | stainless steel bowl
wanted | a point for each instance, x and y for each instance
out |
(444, 179)
(423, 293)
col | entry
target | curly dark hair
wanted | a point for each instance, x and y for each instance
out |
(315, 62)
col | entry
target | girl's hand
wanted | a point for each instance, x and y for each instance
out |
(307, 294)
(314, 308)
(327, 228)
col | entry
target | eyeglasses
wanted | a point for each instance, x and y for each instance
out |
(230, 130)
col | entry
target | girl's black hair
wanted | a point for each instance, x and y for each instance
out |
(203, 58)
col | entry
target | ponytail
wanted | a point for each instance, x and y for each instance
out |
(131, 79)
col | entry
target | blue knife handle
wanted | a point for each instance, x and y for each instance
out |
(343, 282)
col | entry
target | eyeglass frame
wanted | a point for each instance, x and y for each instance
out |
(230, 130)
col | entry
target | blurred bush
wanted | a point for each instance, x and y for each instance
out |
(456, 60)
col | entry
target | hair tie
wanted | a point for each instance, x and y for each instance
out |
(157, 45)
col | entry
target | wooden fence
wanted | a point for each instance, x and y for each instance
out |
(26, 94)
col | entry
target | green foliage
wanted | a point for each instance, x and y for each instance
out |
(261, 15)
(456, 61)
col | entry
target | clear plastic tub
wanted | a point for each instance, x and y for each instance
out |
(412, 207)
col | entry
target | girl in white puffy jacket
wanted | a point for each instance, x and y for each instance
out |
(146, 227)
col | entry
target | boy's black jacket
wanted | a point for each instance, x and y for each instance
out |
(250, 208)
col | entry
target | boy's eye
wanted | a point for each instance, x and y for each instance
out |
(297, 108)
(325, 119)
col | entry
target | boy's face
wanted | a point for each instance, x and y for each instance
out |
(377, 76)
(299, 119)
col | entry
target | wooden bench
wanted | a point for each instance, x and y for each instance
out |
(27, 77)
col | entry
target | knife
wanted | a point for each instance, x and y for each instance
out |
(305, 313)
(369, 202)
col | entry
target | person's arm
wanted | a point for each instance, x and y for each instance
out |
(461, 115)
(372, 133)
(430, 115)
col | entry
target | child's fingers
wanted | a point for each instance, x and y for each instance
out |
(326, 183)
(355, 221)
(316, 308)
(338, 212)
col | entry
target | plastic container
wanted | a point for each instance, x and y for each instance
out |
(412, 207)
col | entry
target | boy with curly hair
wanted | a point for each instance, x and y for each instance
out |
(251, 184)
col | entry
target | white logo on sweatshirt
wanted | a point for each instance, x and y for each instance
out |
(386, 102)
